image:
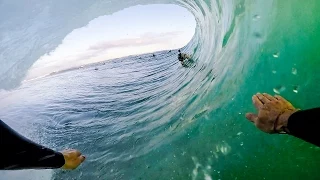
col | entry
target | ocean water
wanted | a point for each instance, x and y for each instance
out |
(145, 117)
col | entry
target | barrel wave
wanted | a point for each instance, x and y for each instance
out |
(145, 117)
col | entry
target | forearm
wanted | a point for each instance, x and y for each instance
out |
(17, 152)
(305, 125)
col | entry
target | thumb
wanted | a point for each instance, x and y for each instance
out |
(252, 117)
(82, 158)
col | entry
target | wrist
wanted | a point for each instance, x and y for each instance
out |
(64, 160)
(282, 124)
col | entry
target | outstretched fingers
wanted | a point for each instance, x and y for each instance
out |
(268, 96)
(280, 98)
(263, 98)
(257, 102)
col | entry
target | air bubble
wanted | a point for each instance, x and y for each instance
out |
(274, 72)
(241, 144)
(256, 17)
(295, 89)
(294, 71)
(279, 89)
(276, 55)
(257, 35)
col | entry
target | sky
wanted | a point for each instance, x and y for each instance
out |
(135, 30)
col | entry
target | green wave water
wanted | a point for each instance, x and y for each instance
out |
(150, 118)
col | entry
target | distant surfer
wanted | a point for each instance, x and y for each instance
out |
(183, 56)
(153, 55)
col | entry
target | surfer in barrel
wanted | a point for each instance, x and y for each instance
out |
(183, 56)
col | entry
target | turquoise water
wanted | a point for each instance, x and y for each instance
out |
(147, 117)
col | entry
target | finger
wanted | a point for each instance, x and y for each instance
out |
(280, 98)
(268, 96)
(252, 117)
(78, 153)
(256, 102)
(82, 158)
(283, 100)
(262, 98)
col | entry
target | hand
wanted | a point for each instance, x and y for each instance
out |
(72, 158)
(273, 113)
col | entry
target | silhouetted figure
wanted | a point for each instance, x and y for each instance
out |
(180, 56)
(183, 56)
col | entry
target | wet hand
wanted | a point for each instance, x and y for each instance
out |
(73, 159)
(273, 113)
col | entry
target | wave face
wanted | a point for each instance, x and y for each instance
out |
(153, 119)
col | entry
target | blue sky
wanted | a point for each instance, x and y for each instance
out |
(135, 30)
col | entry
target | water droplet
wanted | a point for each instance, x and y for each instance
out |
(256, 17)
(274, 72)
(276, 55)
(295, 89)
(279, 89)
(239, 133)
(240, 113)
(294, 71)
(257, 35)
(241, 144)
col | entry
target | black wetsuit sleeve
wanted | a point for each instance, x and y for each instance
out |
(305, 125)
(18, 152)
